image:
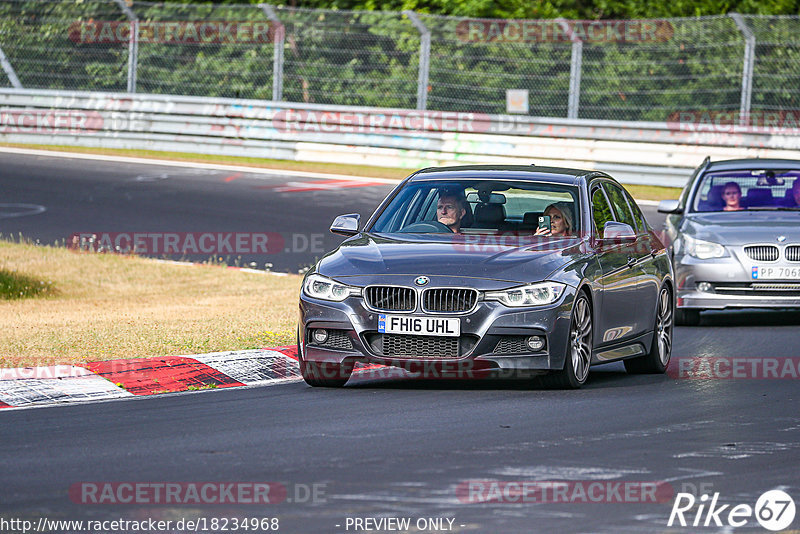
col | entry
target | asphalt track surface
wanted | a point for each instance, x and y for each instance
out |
(97, 197)
(389, 447)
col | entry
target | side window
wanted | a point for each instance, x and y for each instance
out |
(621, 208)
(601, 211)
(637, 213)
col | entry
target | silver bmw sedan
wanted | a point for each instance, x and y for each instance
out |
(734, 237)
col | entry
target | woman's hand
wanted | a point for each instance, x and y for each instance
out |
(542, 231)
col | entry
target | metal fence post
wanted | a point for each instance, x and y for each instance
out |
(424, 59)
(133, 44)
(747, 69)
(9, 70)
(278, 37)
(575, 66)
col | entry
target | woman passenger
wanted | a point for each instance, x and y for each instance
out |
(561, 224)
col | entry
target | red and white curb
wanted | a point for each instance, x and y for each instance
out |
(116, 379)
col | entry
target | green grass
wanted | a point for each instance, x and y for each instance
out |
(110, 306)
(14, 285)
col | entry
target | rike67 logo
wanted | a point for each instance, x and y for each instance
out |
(774, 510)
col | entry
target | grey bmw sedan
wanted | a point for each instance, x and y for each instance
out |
(735, 237)
(481, 270)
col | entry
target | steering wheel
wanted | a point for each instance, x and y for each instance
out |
(426, 227)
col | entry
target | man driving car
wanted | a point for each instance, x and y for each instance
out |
(450, 210)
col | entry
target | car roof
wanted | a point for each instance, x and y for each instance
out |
(558, 175)
(752, 163)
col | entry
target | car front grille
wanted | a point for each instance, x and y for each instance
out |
(453, 300)
(512, 345)
(759, 289)
(776, 287)
(338, 339)
(762, 252)
(391, 298)
(400, 346)
(792, 253)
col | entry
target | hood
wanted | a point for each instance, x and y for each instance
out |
(745, 227)
(506, 258)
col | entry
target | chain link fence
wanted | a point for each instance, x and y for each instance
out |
(735, 66)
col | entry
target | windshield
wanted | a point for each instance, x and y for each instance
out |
(748, 190)
(481, 207)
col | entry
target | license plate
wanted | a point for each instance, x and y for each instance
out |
(420, 326)
(775, 273)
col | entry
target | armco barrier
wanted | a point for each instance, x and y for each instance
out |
(634, 152)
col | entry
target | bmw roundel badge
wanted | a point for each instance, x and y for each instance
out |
(421, 280)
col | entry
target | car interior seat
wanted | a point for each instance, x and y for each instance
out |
(489, 216)
(713, 200)
(758, 196)
(530, 221)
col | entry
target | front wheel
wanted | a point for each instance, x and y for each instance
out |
(579, 348)
(657, 360)
(326, 375)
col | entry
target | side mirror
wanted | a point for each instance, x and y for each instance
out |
(346, 224)
(670, 206)
(619, 232)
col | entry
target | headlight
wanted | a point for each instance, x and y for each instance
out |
(530, 295)
(703, 250)
(319, 287)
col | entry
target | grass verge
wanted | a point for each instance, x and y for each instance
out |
(14, 285)
(112, 307)
(649, 192)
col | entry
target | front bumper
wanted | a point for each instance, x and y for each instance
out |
(481, 331)
(727, 282)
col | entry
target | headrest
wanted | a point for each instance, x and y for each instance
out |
(490, 213)
(531, 218)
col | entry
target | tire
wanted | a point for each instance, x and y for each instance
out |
(657, 360)
(325, 375)
(687, 317)
(579, 348)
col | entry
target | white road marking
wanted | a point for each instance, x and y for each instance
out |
(253, 367)
(189, 164)
(544, 472)
(8, 211)
(58, 384)
(198, 165)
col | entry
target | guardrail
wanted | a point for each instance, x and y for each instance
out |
(634, 152)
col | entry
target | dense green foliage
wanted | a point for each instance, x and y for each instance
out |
(548, 9)
(372, 58)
